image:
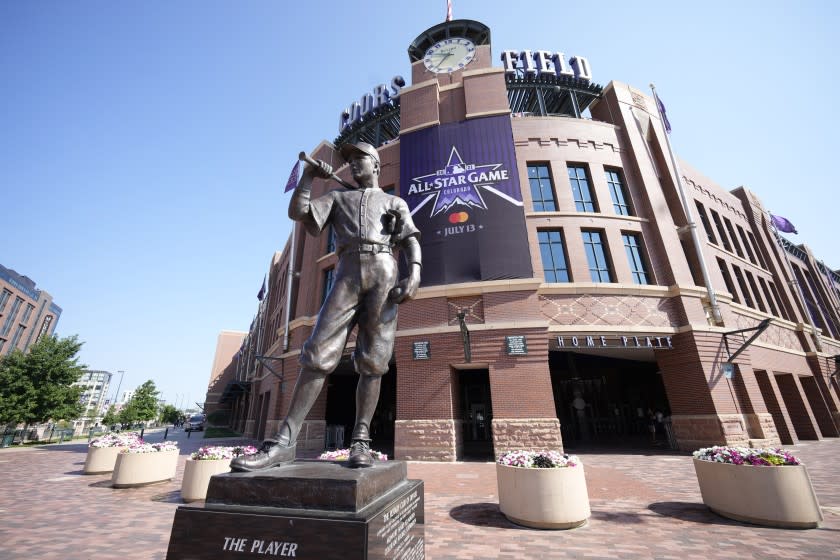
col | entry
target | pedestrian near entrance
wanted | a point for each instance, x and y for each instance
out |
(368, 224)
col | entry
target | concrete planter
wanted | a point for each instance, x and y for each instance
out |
(772, 496)
(101, 460)
(543, 498)
(197, 477)
(140, 469)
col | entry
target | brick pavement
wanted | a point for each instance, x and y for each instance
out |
(644, 505)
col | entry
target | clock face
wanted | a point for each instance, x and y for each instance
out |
(449, 55)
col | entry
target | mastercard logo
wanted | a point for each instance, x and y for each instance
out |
(458, 218)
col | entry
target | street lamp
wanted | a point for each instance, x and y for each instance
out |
(117, 396)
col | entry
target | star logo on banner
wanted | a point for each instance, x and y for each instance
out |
(457, 183)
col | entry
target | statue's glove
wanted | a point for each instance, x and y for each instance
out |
(407, 288)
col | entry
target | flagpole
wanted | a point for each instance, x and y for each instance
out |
(692, 226)
(794, 282)
(290, 276)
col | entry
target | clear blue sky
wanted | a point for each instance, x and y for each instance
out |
(144, 146)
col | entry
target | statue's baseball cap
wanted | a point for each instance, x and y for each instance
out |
(348, 150)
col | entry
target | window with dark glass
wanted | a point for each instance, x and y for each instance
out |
(733, 237)
(768, 296)
(390, 190)
(706, 225)
(553, 253)
(720, 230)
(618, 194)
(7, 326)
(542, 189)
(27, 313)
(755, 291)
(581, 193)
(745, 291)
(634, 256)
(727, 279)
(329, 279)
(4, 297)
(746, 243)
(758, 252)
(16, 338)
(330, 239)
(599, 268)
(778, 298)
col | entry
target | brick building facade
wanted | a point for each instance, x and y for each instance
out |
(636, 299)
(26, 312)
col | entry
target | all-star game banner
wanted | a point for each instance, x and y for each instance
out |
(462, 186)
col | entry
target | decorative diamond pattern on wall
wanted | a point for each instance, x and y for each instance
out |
(775, 335)
(609, 310)
(473, 305)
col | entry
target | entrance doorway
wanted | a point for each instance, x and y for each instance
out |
(475, 411)
(341, 409)
(609, 401)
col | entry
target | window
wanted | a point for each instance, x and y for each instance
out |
(730, 287)
(755, 292)
(748, 300)
(2, 344)
(617, 193)
(390, 190)
(768, 296)
(27, 313)
(16, 338)
(330, 239)
(757, 252)
(329, 280)
(734, 239)
(4, 297)
(599, 267)
(746, 243)
(778, 299)
(580, 189)
(706, 224)
(634, 258)
(553, 253)
(542, 190)
(721, 232)
(7, 326)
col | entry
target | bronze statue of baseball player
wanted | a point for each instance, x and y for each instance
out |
(368, 224)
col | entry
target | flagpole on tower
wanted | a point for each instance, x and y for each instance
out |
(775, 224)
(448, 10)
(717, 318)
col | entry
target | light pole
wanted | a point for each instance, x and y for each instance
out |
(117, 396)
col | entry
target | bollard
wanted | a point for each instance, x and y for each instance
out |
(143, 429)
(165, 433)
(90, 434)
(189, 433)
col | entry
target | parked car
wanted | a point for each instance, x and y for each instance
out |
(195, 423)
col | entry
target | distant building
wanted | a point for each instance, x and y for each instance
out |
(96, 384)
(222, 375)
(26, 313)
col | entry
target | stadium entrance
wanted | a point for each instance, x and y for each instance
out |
(611, 401)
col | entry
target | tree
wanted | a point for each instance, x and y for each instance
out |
(169, 414)
(110, 417)
(145, 401)
(38, 386)
(128, 414)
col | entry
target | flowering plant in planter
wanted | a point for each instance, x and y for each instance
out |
(142, 447)
(746, 456)
(216, 452)
(116, 440)
(343, 454)
(538, 459)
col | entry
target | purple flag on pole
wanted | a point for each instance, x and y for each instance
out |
(293, 178)
(261, 293)
(782, 224)
(664, 114)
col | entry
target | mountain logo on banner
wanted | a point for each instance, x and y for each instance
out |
(458, 184)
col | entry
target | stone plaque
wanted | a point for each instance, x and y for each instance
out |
(421, 350)
(516, 345)
(389, 526)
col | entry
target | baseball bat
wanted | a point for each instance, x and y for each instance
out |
(304, 157)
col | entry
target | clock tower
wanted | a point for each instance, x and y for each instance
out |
(452, 77)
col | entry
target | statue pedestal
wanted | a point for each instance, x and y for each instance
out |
(305, 510)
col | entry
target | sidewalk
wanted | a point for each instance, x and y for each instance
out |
(643, 506)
